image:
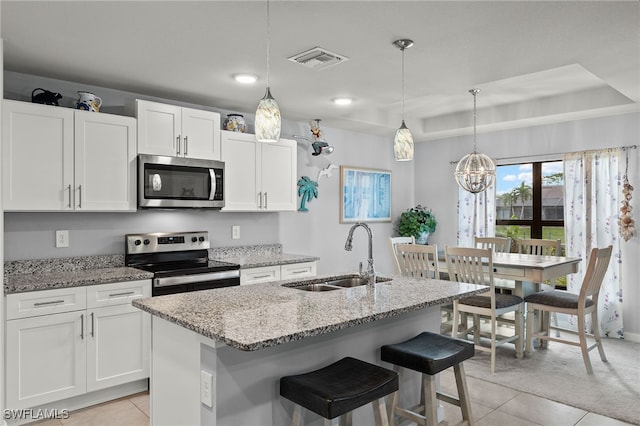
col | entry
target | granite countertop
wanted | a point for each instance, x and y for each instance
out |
(20, 283)
(46, 274)
(256, 260)
(253, 317)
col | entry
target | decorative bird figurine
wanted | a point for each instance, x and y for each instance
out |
(326, 171)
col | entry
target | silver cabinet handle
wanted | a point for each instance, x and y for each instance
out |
(79, 196)
(186, 145)
(82, 326)
(261, 276)
(125, 293)
(266, 200)
(69, 189)
(53, 302)
(299, 272)
(260, 197)
(178, 144)
(92, 325)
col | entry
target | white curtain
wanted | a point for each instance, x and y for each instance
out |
(592, 199)
(476, 215)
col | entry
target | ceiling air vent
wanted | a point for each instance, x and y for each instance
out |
(318, 58)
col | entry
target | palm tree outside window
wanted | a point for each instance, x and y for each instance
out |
(530, 201)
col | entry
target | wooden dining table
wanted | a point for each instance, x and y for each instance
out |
(528, 272)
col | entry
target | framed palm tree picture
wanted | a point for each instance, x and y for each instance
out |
(365, 195)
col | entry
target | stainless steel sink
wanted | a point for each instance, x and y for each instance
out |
(348, 282)
(336, 284)
(316, 287)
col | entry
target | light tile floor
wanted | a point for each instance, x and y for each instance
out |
(491, 405)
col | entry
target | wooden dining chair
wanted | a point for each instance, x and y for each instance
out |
(497, 244)
(582, 304)
(540, 247)
(418, 260)
(475, 266)
(393, 241)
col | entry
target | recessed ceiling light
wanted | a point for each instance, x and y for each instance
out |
(245, 78)
(342, 101)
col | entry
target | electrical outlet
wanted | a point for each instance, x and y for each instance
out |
(206, 388)
(235, 232)
(62, 238)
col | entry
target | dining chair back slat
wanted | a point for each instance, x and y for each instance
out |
(393, 242)
(540, 247)
(497, 244)
(418, 260)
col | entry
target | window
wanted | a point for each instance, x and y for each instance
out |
(530, 201)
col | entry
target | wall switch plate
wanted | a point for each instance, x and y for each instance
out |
(206, 388)
(62, 238)
(235, 232)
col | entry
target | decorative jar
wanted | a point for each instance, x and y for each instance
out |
(235, 123)
(88, 101)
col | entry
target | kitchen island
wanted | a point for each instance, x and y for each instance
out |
(245, 338)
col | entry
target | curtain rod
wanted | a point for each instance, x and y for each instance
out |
(624, 148)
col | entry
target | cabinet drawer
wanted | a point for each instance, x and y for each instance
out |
(505, 272)
(298, 270)
(259, 275)
(117, 293)
(45, 302)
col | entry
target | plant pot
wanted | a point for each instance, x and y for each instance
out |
(422, 238)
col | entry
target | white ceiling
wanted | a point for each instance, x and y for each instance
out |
(535, 62)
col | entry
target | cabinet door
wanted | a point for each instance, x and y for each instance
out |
(159, 128)
(298, 270)
(46, 359)
(118, 346)
(259, 275)
(105, 167)
(200, 134)
(37, 157)
(278, 175)
(240, 169)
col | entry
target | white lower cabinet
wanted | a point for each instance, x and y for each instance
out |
(277, 272)
(101, 342)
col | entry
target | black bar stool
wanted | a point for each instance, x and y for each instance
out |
(429, 354)
(339, 388)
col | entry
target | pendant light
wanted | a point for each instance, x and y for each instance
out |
(268, 121)
(403, 142)
(475, 172)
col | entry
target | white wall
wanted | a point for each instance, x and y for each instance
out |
(433, 162)
(318, 232)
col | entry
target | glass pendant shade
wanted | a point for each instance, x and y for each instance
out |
(268, 121)
(403, 144)
(475, 172)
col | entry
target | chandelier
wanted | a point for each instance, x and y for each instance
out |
(475, 172)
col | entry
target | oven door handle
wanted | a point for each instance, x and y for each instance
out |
(195, 278)
(212, 176)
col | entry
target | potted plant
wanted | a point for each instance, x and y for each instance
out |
(418, 222)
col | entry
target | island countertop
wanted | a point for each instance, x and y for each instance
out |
(253, 317)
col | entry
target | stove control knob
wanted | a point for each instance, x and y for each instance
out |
(137, 242)
(146, 242)
(194, 239)
(201, 239)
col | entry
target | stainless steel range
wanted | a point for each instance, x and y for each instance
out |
(179, 261)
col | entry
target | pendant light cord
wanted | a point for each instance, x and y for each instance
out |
(474, 92)
(403, 83)
(268, 43)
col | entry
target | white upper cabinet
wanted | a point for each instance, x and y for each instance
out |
(176, 131)
(259, 176)
(60, 159)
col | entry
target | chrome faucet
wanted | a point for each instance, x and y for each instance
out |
(370, 273)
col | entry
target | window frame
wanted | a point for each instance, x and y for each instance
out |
(536, 224)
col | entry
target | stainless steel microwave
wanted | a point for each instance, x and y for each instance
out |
(178, 182)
